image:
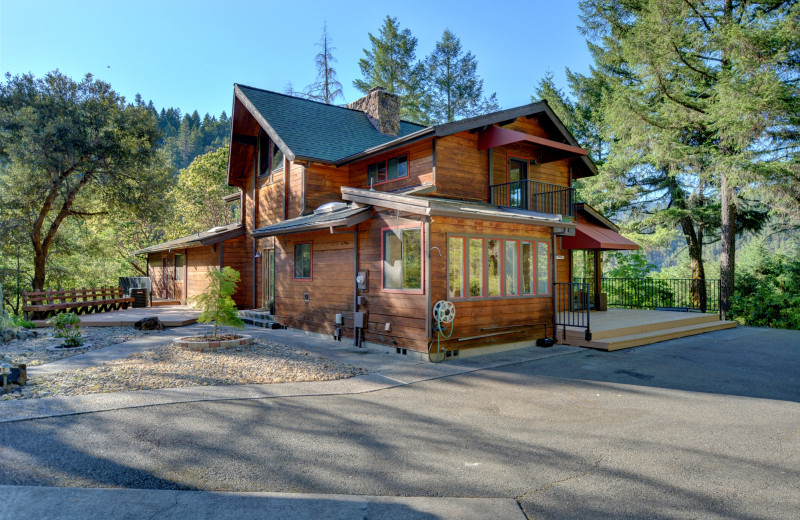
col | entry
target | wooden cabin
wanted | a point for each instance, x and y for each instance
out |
(354, 221)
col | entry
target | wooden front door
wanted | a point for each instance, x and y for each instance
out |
(180, 277)
(165, 278)
(268, 262)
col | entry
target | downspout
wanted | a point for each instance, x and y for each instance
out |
(285, 187)
(555, 280)
(255, 215)
(428, 316)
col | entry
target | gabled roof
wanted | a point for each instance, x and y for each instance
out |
(310, 130)
(331, 134)
(204, 238)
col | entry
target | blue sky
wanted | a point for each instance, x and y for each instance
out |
(188, 54)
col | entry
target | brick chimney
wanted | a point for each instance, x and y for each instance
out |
(382, 109)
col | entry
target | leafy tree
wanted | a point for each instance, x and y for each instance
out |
(216, 302)
(707, 90)
(452, 86)
(391, 64)
(199, 191)
(326, 88)
(70, 150)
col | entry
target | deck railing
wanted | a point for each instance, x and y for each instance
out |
(571, 307)
(534, 196)
(684, 294)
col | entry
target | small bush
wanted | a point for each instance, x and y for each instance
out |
(216, 303)
(20, 321)
(67, 326)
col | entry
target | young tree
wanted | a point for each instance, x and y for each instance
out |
(452, 86)
(327, 88)
(391, 64)
(70, 150)
(710, 87)
(216, 302)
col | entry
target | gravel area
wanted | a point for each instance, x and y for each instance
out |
(35, 351)
(169, 366)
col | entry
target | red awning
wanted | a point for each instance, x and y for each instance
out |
(590, 236)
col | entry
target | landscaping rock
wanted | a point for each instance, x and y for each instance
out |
(19, 375)
(7, 336)
(152, 323)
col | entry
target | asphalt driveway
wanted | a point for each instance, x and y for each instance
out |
(703, 427)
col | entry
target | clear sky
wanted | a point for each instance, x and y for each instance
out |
(188, 53)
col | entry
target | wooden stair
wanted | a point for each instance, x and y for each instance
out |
(619, 331)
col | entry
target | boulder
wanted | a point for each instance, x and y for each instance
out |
(152, 323)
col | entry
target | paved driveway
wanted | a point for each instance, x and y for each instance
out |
(704, 427)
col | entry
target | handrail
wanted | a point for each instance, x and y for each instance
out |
(659, 293)
(534, 196)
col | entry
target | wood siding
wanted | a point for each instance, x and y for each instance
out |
(420, 167)
(481, 317)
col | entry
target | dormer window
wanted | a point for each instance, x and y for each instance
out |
(389, 170)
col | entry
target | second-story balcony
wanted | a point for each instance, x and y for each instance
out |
(534, 196)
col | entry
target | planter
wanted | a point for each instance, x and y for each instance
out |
(194, 343)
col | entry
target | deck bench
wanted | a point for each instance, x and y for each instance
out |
(44, 304)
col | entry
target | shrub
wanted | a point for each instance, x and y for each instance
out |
(67, 326)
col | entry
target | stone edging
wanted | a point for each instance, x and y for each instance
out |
(204, 346)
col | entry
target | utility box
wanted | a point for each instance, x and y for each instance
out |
(360, 320)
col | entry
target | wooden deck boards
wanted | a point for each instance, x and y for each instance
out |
(617, 329)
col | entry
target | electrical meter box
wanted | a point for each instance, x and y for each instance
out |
(360, 320)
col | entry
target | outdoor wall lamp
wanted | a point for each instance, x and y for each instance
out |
(5, 371)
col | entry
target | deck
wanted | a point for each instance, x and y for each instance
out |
(617, 329)
(170, 316)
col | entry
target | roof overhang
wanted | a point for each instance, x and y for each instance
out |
(429, 206)
(591, 236)
(315, 222)
(204, 238)
(495, 136)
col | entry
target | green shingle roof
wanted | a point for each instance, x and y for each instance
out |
(314, 130)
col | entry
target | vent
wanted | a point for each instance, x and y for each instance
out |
(218, 229)
(331, 207)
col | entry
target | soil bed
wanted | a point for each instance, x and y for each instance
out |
(170, 366)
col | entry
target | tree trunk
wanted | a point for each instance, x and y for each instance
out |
(694, 241)
(728, 255)
(39, 263)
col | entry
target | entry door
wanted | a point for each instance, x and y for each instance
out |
(166, 278)
(269, 279)
(517, 187)
(180, 278)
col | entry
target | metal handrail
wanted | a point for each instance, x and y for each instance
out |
(571, 307)
(659, 293)
(534, 196)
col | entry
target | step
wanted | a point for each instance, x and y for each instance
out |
(266, 324)
(158, 303)
(262, 315)
(666, 322)
(646, 338)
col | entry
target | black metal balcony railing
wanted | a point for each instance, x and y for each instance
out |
(654, 293)
(534, 196)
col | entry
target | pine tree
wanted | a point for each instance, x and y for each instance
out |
(327, 88)
(391, 64)
(708, 90)
(453, 88)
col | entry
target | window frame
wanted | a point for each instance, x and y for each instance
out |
(310, 277)
(520, 240)
(385, 163)
(464, 276)
(421, 228)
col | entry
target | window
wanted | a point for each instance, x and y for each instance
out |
(302, 261)
(277, 158)
(180, 262)
(480, 267)
(264, 145)
(402, 259)
(476, 256)
(542, 268)
(385, 171)
(455, 267)
(517, 174)
(511, 267)
(493, 259)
